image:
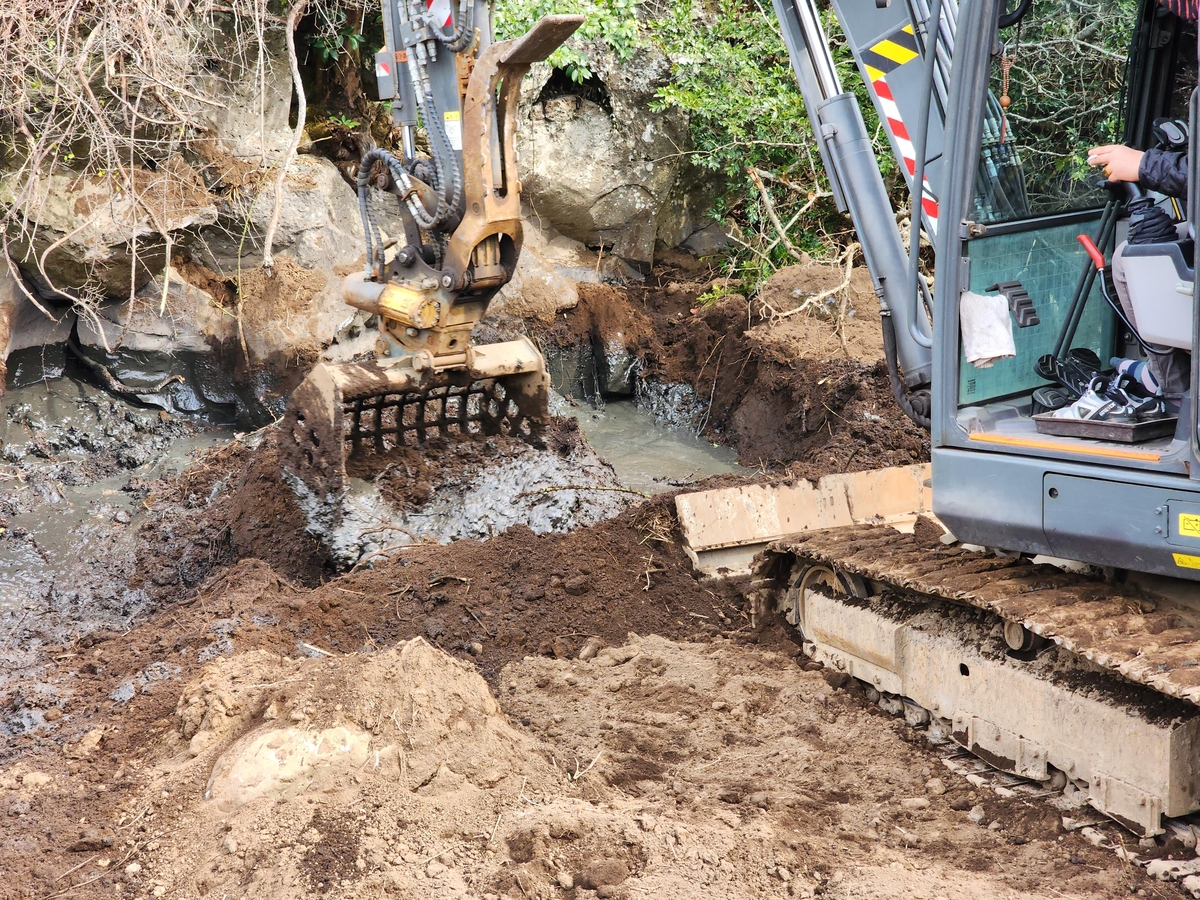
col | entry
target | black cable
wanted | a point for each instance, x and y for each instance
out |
(1121, 315)
(898, 388)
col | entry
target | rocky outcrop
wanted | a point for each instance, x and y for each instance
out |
(600, 166)
(83, 232)
(168, 314)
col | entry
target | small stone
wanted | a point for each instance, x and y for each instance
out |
(977, 815)
(783, 874)
(86, 746)
(434, 629)
(590, 648)
(604, 872)
(159, 891)
(435, 869)
(229, 845)
(121, 517)
(915, 803)
(960, 804)
(719, 705)
(578, 585)
(607, 890)
(53, 714)
(35, 780)
(133, 869)
(994, 826)
(566, 881)
(90, 840)
(476, 648)
(935, 786)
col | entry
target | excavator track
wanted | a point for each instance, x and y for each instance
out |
(1051, 675)
(1153, 642)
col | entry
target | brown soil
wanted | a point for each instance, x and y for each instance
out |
(780, 391)
(701, 760)
(426, 726)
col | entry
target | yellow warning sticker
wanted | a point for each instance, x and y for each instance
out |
(1184, 561)
(453, 122)
(1189, 525)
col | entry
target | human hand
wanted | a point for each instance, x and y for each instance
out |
(1120, 163)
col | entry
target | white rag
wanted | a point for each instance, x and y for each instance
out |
(987, 332)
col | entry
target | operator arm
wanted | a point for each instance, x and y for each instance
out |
(1165, 171)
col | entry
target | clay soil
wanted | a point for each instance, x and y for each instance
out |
(808, 393)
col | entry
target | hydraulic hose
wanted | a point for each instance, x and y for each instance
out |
(371, 231)
(899, 391)
(464, 31)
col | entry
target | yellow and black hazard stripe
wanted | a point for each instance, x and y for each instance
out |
(891, 53)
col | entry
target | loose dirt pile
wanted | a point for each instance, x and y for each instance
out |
(652, 768)
(237, 502)
(798, 391)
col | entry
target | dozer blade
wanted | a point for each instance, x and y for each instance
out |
(348, 419)
(725, 528)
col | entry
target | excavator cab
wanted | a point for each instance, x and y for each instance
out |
(459, 238)
(1009, 472)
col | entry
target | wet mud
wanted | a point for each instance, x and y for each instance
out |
(783, 393)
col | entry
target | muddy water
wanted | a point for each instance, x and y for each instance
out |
(647, 455)
(71, 461)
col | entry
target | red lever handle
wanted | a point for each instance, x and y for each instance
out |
(1092, 250)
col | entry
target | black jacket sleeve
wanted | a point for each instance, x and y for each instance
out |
(1165, 172)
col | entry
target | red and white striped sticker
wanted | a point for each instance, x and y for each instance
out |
(880, 60)
(441, 11)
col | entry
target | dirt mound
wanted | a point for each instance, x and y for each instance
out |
(236, 502)
(818, 334)
(231, 504)
(293, 752)
(654, 768)
(780, 391)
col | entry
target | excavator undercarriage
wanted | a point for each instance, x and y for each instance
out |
(1053, 675)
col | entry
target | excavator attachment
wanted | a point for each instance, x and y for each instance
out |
(346, 419)
(461, 213)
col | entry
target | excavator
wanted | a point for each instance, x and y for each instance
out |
(1031, 595)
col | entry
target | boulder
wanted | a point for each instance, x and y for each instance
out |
(186, 318)
(598, 164)
(538, 289)
(23, 325)
(296, 310)
(91, 226)
(251, 110)
(319, 225)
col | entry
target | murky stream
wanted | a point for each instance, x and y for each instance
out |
(648, 456)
